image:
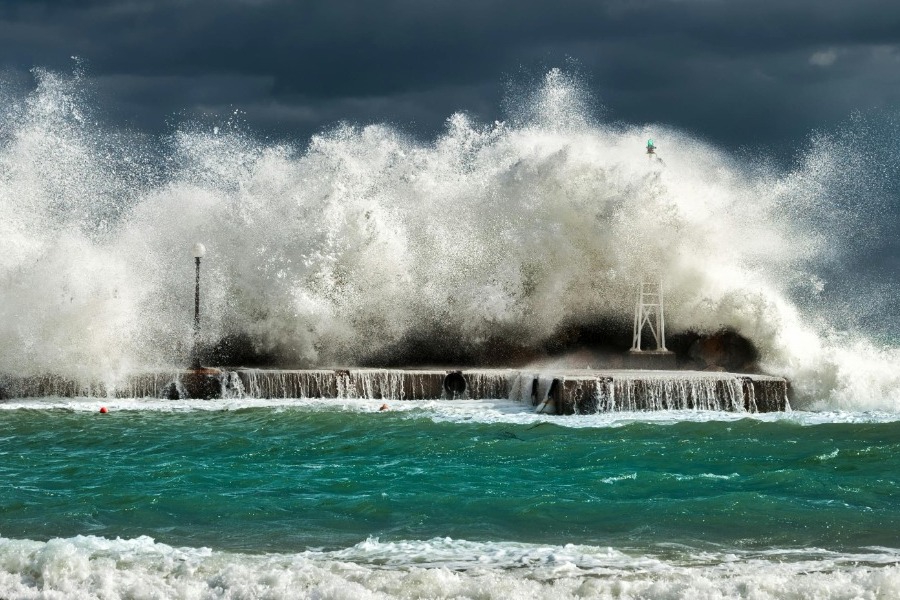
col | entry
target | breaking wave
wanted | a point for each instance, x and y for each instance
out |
(491, 242)
(91, 567)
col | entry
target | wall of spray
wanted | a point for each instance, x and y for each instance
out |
(365, 243)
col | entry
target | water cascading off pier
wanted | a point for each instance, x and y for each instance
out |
(583, 391)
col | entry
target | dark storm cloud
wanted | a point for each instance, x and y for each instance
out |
(738, 72)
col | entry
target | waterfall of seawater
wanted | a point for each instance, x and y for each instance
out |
(345, 249)
(573, 392)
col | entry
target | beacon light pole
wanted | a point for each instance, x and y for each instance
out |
(199, 252)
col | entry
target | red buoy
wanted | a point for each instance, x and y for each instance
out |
(103, 410)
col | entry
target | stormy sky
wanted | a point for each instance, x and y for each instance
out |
(760, 73)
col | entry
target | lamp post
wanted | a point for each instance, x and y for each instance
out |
(199, 252)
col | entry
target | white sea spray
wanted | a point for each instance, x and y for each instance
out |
(344, 249)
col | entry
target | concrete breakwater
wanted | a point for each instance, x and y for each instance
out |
(552, 391)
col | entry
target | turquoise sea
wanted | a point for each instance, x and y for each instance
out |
(469, 499)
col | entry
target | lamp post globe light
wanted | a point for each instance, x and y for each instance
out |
(199, 252)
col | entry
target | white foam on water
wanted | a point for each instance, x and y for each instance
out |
(617, 478)
(681, 477)
(188, 404)
(445, 411)
(90, 567)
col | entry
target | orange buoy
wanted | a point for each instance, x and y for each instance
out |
(103, 410)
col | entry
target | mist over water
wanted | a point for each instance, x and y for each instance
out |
(366, 246)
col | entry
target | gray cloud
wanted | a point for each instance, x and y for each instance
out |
(737, 72)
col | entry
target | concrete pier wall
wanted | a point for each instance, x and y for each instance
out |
(672, 390)
(565, 392)
(376, 384)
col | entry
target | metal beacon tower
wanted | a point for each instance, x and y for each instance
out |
(649, 314)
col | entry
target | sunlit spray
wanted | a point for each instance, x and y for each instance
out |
(341, 250)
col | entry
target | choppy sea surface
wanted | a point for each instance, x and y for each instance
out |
(472, 499)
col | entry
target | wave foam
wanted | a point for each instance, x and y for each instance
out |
(91, 567)
(448, 411)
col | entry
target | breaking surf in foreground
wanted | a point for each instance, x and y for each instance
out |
(249, 498)
(88, 567)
